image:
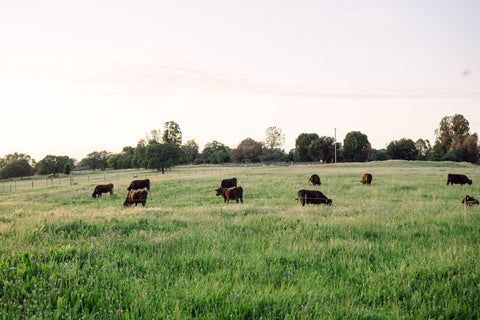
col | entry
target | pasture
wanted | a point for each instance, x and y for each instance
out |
(403, 248)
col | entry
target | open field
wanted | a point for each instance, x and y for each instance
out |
(403, 248)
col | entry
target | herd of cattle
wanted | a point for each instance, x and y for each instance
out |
(230, 191)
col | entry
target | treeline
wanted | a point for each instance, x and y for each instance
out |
(160, 150)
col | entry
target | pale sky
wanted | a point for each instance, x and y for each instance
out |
(84, 76)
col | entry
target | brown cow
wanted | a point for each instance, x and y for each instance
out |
(457, 178)
(228, 194)
(315, 180)
(135, 196)
(312, 197)
(229, 183)
(102, 188)
(366, 178)
(470, 201)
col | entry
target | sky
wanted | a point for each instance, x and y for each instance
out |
(94, 75)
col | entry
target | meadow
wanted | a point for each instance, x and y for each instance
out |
(403, 248)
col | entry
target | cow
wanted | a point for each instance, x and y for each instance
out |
(469, 201)
(312, 197)
(233, 193)
(139, 184)
(315, 180)
(135, 196)
(229, 183)
(457, 178)
(102, 188)
(366, 178)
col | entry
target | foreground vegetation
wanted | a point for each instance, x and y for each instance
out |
(403, 248)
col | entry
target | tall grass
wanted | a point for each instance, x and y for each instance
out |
(402, 248)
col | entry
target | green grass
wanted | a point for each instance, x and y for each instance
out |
(402, 248)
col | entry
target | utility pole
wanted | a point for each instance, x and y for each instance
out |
(335, 145)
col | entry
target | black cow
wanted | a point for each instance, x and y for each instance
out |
(312, 197)
(102, 188)
(135, 196)
(470, 201)
(139, 184)
(366, 178)
(233, 193)
(229, 183)
(315, 180)
(457, 178)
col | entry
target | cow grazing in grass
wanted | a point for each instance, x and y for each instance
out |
(315, 180)
(366, 178)
(457, 178)
(229, 183)
(135, 197)
(139, 184)
(312, 197)
(233, 193)
(102, 188)
(470, 201)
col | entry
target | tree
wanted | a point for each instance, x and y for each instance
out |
(247, 150)
(16, 168)
(162, 155)
(438, 151)
(307, 147)
(470, 145)
(96, 160)
(402, 149)
(216, 152)
(424, 149)
(51, 164)
(273, 155)
(275, 138)
(356, 147)
(190, 151)
(172, 133)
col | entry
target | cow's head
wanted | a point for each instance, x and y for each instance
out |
(219, 191)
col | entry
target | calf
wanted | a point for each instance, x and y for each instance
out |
(135, 196)
(315, 180)
(457, 178)
(470, 201)
(366, 178)
(312, 197)
(229, 183)
(228, 194)
(102, 188)
(139, 184)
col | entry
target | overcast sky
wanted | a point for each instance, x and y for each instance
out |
(84, 76)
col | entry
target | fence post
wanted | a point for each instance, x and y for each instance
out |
(32, 182)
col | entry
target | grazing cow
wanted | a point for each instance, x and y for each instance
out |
(366, 178)
(233, 193)
(315, 180)
(229, 183)
(470, 201)
(312, 197)
(139, 184)
(102, 188)
(135, 196)
(457, 178)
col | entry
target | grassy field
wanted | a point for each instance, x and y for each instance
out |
(403, 248)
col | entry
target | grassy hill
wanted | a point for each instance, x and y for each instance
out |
(403, 248)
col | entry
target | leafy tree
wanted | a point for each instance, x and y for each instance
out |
(16, 168)
(402, 149)
(67, 168)
(424, 149)
(154, 136)
(273, 155)
(162, 155)
(113, 161)
(190, 151)
(96, 160)
(356, 147)
(307, 147)
(380, 155)
(216, 152)
(51, 164)
(275, 138)
(139, 160)
(471, 148)
(247, 150)
(172, 133)
(438, 151)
